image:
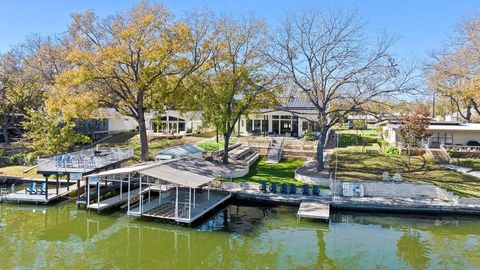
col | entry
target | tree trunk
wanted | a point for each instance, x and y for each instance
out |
(320, 148)
(5, 125)
(216, 134)
(226, 139)
(143, 136)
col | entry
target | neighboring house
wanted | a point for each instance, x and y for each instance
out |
(292, 119)
(174, 122)
(443, 132)
(366, 118)
(104, 123)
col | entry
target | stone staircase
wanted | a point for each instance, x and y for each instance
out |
(244, 154)
(439, 156)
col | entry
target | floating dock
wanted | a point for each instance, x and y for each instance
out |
(314, 210)
(21, 197)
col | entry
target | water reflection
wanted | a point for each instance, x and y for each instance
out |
(238, 237)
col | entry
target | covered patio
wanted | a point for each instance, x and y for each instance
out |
(174, 190)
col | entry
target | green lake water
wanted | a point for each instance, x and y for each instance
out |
(237, 237)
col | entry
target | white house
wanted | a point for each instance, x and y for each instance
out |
(443, 132)
(174, 122)
(291, 119)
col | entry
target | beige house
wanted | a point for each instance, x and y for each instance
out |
(443, 133)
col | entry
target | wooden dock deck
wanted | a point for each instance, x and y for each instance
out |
(314, 210)
(21, 197)
(113, 201)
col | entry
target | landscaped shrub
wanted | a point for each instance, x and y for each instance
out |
(383, 144)
(309, 135)
(350, 140)
(17, 159)
(392, 150)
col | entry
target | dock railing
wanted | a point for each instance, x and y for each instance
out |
(85, 160)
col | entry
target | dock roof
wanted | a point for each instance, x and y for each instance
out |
(188, 172)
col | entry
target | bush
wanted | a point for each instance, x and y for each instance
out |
(392, 150)
(383, 144)
(309, 136)
(350, 140)
(17, 159)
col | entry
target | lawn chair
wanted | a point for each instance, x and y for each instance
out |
(293, 189)
(306, 190)
(263, 187)
(284, 188)
(31, 188)
(42, 190)
(315, 190)
(397, 177)
(385, 176)
(273, 187)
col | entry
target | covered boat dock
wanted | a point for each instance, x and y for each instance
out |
(73, 166)
(175, 189)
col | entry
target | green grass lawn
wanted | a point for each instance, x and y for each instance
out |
(354, 164)
(468, 162)
(213, 145)
(282, 172)
(18, 171)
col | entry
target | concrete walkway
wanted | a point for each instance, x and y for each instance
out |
(275, 151)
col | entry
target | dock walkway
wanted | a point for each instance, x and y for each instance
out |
(113, 201)
(314, 210)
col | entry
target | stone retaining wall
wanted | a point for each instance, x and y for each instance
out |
(398, 190)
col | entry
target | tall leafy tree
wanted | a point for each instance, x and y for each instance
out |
(133, 61)
(454, 71)
(21, 88)
(413, 128)
(328, 58)
(48, 134)
(236, 79)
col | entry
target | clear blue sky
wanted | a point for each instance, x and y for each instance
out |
(421, 25)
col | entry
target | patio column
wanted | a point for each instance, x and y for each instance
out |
(176, 202)
(58, 183)
(46, 187)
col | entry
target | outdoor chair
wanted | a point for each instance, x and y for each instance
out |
(293, 189)
(273, 187)
(385, 176)
(306, 190)
(284, 189)
(397, 177)
(31, 188)
(42, 190)
(315, 190)
(263, 187)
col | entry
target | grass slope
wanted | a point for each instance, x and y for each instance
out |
(282, 172)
